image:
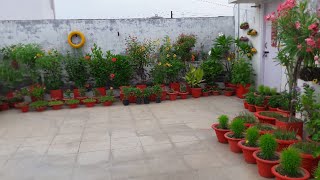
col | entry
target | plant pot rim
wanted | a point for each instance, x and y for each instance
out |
(278, 175)
(183, 93)
(258, 115)
(174, 93)
(259, 106)
(215, 127)
(255, 155)
(230, 138)
(242, 146)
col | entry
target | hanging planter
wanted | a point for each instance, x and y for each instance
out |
(244, 26)
(252, 32)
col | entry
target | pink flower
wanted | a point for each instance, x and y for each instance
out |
(316, 58)
(314, 27)
(271, 17)
(112, 76)
(309, 49)
(298, 25)
(299, 46)
(311, 42)
(317, 62)
(114, 59)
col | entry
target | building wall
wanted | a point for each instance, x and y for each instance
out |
(54, 33)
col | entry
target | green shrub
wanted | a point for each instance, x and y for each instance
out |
(247, 117)
(316, 173)
(242, 72)
(223, 122)
(38, 104)
(212, 68)
(267, 91)
(157, 90)
(250, 98)
(147, 92)
(265, 127)
(290, 162)
(126, 92)
(261, 89)
(283, 134)
(89, 100)
(238, 128)
(308, 148)
(106, 99)
(252, 136)
(268, 146)
(55, 103)
(273, 91)
(183, 88)
(259, 101)
(274, 101)
(72, 101)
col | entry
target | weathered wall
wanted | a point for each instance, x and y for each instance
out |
(53, 33)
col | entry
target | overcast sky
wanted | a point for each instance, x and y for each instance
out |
(114, 9)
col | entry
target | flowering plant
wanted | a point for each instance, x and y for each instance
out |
(184, 45)
(98, 67)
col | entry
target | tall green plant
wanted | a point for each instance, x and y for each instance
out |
(99, 67)
(242, 72)
(268, 146)
(212, 68)
(194, 76)
(290, 162)
(238, 128)
(77, 70)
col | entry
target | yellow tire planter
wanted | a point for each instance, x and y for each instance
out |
(76, 33)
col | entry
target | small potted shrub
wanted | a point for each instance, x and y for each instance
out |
(273, 103)
(23, 106)
(172, 94)
(265, 128)
(157, 90)
(139, 95)
(205, 92)
(183, 93)
(292, 124)
(285, 138)
(309, 153)
(221, 128)
(39, 105)
(250, 99)
(228, 91)
(194, 78)
(316, 173)
(289, 167)
(215, 91)
(259, 104)
(250, 144)
(82, 94)
(56, 104)
(106, 100)
(237, 129)
(72, 103)
(147, 92)
(89, 102)
(67, 95)
(126, 94)
(266, 157)
(247, 118)
(4, 105)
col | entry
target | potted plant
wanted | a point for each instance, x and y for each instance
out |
(289, 167)
(250, 144)
(55, 104)
(268, 117)
(126, 94)
(4, 103)
(242, 73)
(285, 138)
(212, 68)
(291, 124)
(265, 128)
(284, 104)
(172, 94)
(250, 99)
(215, 91)
(72, 103)
(24, 106)
(205, 92)
(36, 92)
(89, 102)
(273, 103)
(259, 104)
(147, 92)
(221, 128)
(248, 118)
(17, 98)
(237, 129)
(309, 153)
(266, 157)
(39, 105)
(194, 78)
(139, 95)
(157, 90)
(183, 93)
(228, 91)
(316, 173)
(244, 25)
(106, 100)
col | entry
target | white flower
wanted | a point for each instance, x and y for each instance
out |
(220, 34)
(209, 53)
(317, 62)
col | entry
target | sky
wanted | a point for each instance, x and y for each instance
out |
(119, 9)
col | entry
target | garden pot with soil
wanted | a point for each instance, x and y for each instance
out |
(76, 93)
(286, 112)
(266, 128)
(272, 109)
(183, 95)
(220, 133)
(125, 102)
(175, 86)
(107, 103)
(72, 103)
(251, 107)
(141, 86)
(56, 94)
(245, 104)
(90, 102)
(242, 90)
(164, 95)
(233, 142)
(196, 92)
(267, 117)
(304, 172)
(265, 166)
(296, 126)
(172, 95)
(260, 108)
(247, 152)
(101, 90)
(285, 138)
(283, 144)
(215, 93)
(229, 91)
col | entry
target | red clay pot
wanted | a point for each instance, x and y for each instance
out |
(132, 99)
(283, 144)
(183, 95)
(292, 126)
(308, 138)
(73, 106)
(40, 109)
(265, 119)
(233, 143)
(242, 90)
(76, 93)
(141, 86)
(309, 162)
(234, 86)
(10, 95)
(265, 166)
(284, 111)
(4, 106)
(173, 96)
(205, 94)
(215, 93)
(196, 92)
(57, 107)
(153, 97)
(90, 104)
(175, 86)
(272, 109)
(102, 91)
(56, 94)
(281, 177)
(259, 108)
(164, 96)
(24, 109)
(247, 152)
(220, 133)
(251, 108)
(107, 103)
(245, 104)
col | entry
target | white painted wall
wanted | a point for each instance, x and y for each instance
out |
(26, 9)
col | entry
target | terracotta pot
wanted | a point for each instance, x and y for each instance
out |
(196, 92)
(183, 95)
(56, 94)
(24, 109)
(245, 104)
(215, 93)
(107, 103)
(309, 162)
(292, 126)
(283, 111)
(73, 106)
(76, 93)
(272, 109)
(141, 86)
(205, 94)
(153, 97)
(242, 90)
(173, 96)
(251, 108)
(265, 166)
(234, 86)
(306, 174)
(260, 108)
(247, 152)
(233, 143)
(90, 104)
(283, 144)
(175, 86)
(132, 99)
(102, 91)
(4, 106)
(164, 96)
(40, 109)
(10, 95)
(265, 119)
(220, 133)
(57, 107)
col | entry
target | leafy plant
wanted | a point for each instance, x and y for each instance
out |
(273, 91)
(212, 68)
(184, 45)
(99, 67)
(157, 90)
(267, 91)
(89, 100)
(283, 134)
(247, 117)
(37, 92)
(259, 101)
(183, 88)
(307, 148)
(38, 104)
(290, 162)
(147, 92)
(265, 127)
(250, 98)
(268, 146)
(238, 128)
(252, 136)
(194, 76)
(55, 103)
(103, 99)
(242, 72)
(274, 101)
(77, 70)
(316, 172)
(72, 101)
(261, 89)
(284, 102)
(126, 92)
(223, 122)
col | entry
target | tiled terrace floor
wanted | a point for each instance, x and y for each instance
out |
(166, 141)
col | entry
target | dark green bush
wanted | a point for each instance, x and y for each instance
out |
(223, 122)
(290, 162)
(252, 136)
(268, 146)
(238, 128)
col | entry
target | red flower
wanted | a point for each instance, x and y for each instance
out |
(112, 76)
(87, 57)
(114, 59)
(314, 27)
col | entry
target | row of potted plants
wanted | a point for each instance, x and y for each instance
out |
(278, 153)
